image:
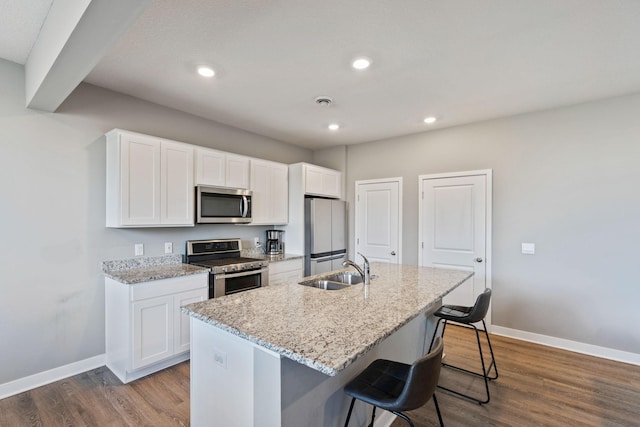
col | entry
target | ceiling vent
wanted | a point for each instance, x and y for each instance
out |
(324, 101)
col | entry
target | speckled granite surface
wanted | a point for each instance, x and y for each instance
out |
(329, 330)
(145, 269)
(277, 258)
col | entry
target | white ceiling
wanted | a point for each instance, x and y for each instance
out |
(460, 60)
(20, 22)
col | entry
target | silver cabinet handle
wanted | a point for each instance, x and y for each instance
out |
(393, 253)
(478, 259)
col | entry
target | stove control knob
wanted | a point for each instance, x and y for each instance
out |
(224, 269)
(234, 268)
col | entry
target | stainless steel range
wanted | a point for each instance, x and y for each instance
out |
(229, 272)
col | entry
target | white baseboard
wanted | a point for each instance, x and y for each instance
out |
(578, 347)
(36, 380)
(383, 420)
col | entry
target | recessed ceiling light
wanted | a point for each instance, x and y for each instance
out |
(361, 63)
(430, 120)
(334, 126)
(206, 72)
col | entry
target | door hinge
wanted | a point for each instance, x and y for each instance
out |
(358, 198)
(422, 195)
(357, 240)
(422, 245)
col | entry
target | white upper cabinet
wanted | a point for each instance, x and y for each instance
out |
(210, 167)
(237, 171)
(176, 184)
(149, 181)
(319, 181)
(220, 169)
(270, 186)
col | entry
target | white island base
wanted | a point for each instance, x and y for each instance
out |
(235, 383)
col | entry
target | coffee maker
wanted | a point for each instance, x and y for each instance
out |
(275, 242)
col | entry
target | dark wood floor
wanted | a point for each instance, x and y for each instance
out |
(538, 386)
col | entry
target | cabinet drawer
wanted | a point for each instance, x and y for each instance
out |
(173, 285)
(282, 266)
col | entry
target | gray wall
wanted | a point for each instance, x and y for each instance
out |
(52, 182)
(564, 179)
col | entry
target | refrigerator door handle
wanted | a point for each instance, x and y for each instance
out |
(328, 258)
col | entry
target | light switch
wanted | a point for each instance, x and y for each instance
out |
(139, 249)
(529, 248)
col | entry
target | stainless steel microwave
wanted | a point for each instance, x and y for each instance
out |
(218, 205)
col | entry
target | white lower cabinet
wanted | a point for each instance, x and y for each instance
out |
(285, 271)
(145, 328)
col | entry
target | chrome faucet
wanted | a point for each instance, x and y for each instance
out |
(365, 273)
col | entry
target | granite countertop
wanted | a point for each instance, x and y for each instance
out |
(277, 258)
(138, 270)
(329, 330)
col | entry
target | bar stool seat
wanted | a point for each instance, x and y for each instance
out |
(468, 316)
(398, 387)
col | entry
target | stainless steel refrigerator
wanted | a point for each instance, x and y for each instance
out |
(325, 235)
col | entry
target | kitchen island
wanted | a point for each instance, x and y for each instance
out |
(280, 355)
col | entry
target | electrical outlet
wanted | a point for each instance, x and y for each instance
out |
(256, 242)
(220, 357)
(168, 247)
(139, 249)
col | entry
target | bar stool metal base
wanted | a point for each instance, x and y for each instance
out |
(486, 371)
(396, 413)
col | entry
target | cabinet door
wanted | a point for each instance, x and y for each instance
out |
(237, 175)
(176, 184)
(260, 203)
(153, 324)
(140, 179)
(278, 194)
(313, 180)
(210, 167)
(293, 276)
(322, 181)
(270, 199)
(331, 183)
(182, 326)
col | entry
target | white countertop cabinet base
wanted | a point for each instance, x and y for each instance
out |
(239, 384)
(145, 328)
(285, 271)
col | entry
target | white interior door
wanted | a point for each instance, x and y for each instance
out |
(379, 219)
(454, 227)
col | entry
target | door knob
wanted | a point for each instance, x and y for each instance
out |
(478, 259)
(393, 253)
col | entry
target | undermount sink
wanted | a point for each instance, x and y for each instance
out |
(327, 285)
(334, 282)
(348, 277)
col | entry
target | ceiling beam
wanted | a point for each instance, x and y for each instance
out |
(74, 37)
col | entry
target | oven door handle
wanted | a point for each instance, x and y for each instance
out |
(243, 273)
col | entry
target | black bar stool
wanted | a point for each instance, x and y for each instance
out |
(397, 387)
(469, 316)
